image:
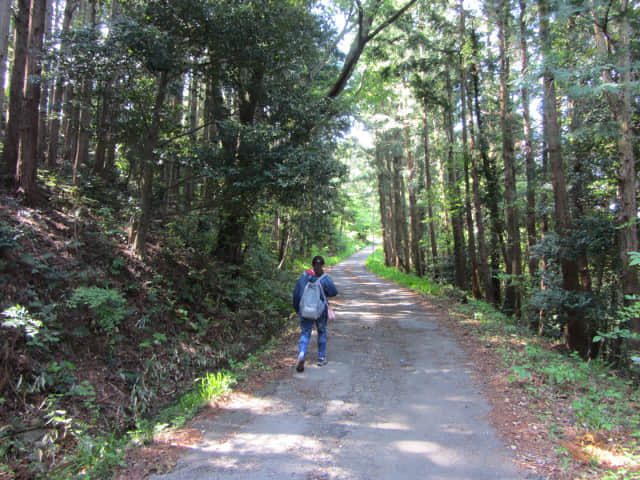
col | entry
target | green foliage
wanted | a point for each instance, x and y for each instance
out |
(208, 388)
(108, 306)
(94, 457)
(422, 285)
(616, 341)
(9, 236)
(37, 333)
(56, 376)
(215, 385)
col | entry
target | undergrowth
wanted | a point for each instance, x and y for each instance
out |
(100, 350)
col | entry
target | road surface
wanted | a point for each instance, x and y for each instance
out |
(397, 401)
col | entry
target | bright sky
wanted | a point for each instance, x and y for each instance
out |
(361, 134)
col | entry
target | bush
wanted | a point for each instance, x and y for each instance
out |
(106, 304)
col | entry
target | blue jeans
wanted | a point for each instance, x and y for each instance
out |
(306, 326)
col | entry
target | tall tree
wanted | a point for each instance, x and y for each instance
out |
(16, 92)
(466, 153)
(490, 174)
(365, 18)
(614, 45)
(577, 326)
(431, 220)
(28, 146)
(416, 211)
(527, 141)
(513, 254)
(5, 23)
(149, 160)
(454, 196)
(85, 110)
(59, 87)
(384, 196)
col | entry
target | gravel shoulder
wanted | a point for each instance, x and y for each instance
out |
(398, 400)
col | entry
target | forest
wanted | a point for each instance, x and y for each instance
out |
(167, 166)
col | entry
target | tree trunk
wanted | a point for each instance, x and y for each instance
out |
(81, 155)
(416, 212)
(528, 145)
(483, 259)
(58, 91)
(627, 186)
(189, 190)
(578, 335)
(148, 167)
(236, 206)
(28, 150)
(400, 232)
(429, 186)
(385, 203)
(231, 231)
(103, 133)
(454, 196)
(104, 129)
(81, 151)
(492, 294)
(16, 93)
(45, 89)
(577, 194)
(476, 289)
(5, 23)
(513, 261)
(621, 105)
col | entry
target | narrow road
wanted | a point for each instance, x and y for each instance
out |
(397, 401)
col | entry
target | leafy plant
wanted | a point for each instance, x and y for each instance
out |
(157, 339)
(215, 385)
(37, 333)
(116, 265)
(57, 376)
(107, 305)
(8, 236)
(620, 335)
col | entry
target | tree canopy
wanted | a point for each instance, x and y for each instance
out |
(505, 136)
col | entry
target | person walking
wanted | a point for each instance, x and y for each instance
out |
(328, 289)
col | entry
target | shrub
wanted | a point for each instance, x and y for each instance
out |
(107, 305)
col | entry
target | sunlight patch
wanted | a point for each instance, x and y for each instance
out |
(391, 426)
(436, 453)
(607, 457)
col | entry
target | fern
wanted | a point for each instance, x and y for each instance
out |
(107, 305)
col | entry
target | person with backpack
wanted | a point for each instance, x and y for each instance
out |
(310, 301)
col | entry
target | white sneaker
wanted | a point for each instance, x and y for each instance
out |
(300, 364)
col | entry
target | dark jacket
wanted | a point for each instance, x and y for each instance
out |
(328, 288)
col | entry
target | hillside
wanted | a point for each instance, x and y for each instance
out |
(94, 339)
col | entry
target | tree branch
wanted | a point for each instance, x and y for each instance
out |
(364, 36)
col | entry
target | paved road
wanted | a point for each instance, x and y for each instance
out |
(397, 401)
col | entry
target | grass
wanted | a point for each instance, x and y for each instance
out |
(421, 285)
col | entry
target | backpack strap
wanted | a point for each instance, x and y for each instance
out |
(322, 288)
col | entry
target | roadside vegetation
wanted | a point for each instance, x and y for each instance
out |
(102, 349)
(590, 410)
